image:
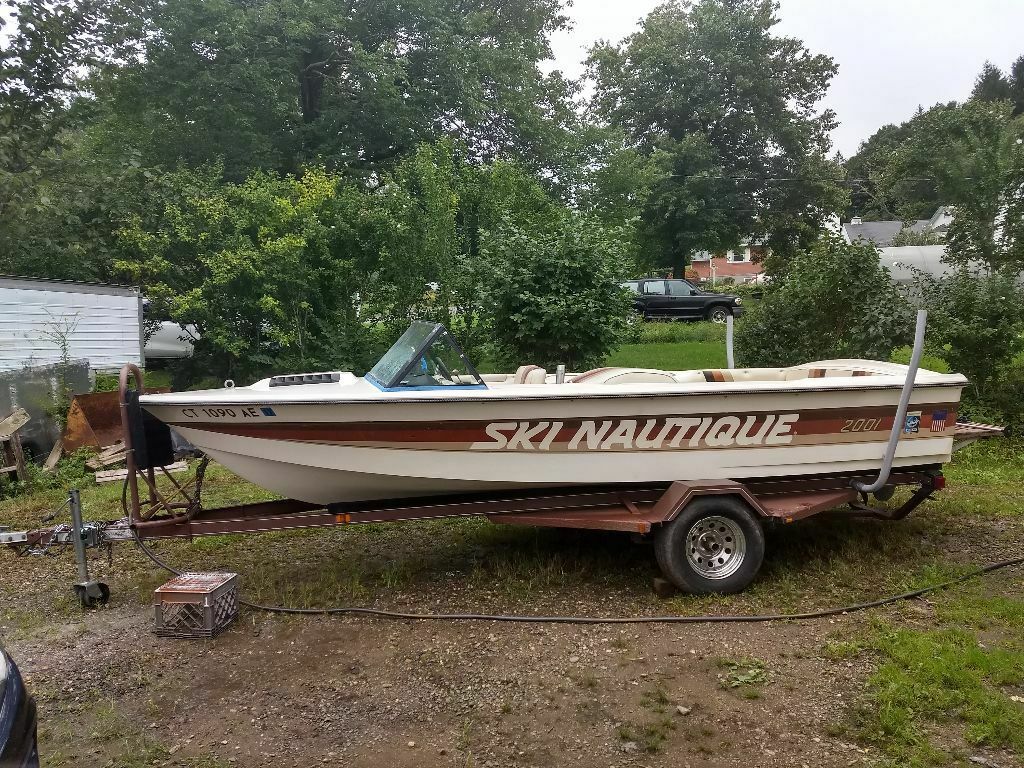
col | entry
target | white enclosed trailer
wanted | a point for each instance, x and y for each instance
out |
(47, 321)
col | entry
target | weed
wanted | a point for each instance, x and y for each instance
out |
(840, 650)
(655, 699)
(745, 674)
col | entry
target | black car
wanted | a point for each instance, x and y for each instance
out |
(658, 298)
(17, 719)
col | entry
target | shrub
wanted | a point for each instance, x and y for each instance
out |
(555, 297)
(836, 300)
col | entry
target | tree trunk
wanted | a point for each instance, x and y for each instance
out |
(678, 264)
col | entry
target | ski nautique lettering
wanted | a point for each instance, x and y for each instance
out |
(636, 434)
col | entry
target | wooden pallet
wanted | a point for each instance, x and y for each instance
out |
(12, 458)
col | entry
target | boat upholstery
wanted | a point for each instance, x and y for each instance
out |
(529, 374)
(625, 376)
(534, 374)
(651, 376)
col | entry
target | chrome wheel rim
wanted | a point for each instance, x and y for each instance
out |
(718, 315)
(715, 547)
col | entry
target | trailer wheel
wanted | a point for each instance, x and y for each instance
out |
(716, 544)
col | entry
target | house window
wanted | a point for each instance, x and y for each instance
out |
(701, 256)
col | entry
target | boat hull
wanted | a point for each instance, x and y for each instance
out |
(332, 452)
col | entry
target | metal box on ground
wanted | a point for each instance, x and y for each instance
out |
(195, 605)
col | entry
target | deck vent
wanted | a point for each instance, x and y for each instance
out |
(305, 378)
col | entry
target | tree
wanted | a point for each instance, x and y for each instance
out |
(727, 113)
(877, 194)
(1017, 86)
(351, 86)
(836, 301)
(555, 296)
(991, 84)
(321, 271)
(976, 322)
(907, 236)
(41, 65)
(975, 154)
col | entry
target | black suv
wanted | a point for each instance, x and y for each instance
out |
(657, 298)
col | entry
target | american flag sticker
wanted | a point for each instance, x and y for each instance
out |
(939, 421)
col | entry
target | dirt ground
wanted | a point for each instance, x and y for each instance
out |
(368, 692)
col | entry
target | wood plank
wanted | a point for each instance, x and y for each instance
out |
(113, 475)
(18, 418)
(110, 450)
(98, 462)
(19, 455)
(55, 454)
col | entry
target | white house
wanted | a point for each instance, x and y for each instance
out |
(48, 321)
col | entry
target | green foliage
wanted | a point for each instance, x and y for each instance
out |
(936, 675)
(907, 236)
(351, 86)
(976, 324)
(556, 296)
(877, 194)
(991, 84)
(282, 273)
(836, 301)
(253, 266)
(929, 362)
(70, 472)
(976, 154)
(713, 108)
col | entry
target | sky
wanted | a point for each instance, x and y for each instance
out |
(893, 55)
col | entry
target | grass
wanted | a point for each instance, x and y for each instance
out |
(947, 677)
(673, 347)
(669, 357)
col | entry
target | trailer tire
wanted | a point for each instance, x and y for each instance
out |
(715, 545)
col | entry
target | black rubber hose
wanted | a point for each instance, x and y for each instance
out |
(708, 619)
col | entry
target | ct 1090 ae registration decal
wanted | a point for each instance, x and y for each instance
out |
(634, 434)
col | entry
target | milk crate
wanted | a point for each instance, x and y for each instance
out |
(195, 605)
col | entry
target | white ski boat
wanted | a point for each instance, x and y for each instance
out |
(424, 422)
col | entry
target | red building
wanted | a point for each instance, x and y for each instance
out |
(740, 266)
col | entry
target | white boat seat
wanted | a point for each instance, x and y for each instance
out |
(625, 376)
(523, 374)
(779, 374)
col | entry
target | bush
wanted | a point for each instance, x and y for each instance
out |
(835, 301)
(929, 362)
(556, 296)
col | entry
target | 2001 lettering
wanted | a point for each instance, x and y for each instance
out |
(861, 425)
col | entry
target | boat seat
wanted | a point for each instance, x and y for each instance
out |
(777, 374)
(529, 374)
(794, 374)
(625, 376)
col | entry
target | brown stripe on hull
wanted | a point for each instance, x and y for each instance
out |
(810, 427)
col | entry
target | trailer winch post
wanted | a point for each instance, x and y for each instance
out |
(899, 422)
(89, 592)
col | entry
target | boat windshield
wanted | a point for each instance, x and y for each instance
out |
(425, 357)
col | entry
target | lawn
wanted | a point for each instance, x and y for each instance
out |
(670, 357)
(673, 347)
